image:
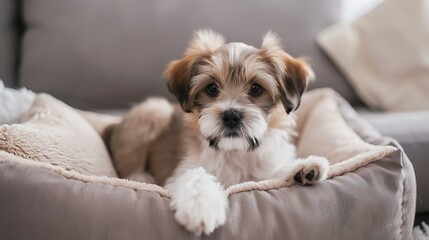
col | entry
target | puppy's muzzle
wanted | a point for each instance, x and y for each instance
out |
(231, 118)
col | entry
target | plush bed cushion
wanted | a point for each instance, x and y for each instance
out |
(122, 47)
(368, 196)
(326, 133)
(52, 132)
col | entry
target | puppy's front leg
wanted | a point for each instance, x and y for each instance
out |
(199, 200)
(305, 171)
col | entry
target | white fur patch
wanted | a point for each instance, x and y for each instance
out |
(237, 51)
(228, 144)
(205, 40)
(271, 41)
(199, 200)
(13, 103)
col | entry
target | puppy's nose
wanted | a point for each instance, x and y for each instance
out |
(231, 118)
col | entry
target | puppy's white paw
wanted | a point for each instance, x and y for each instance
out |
(311, 170)
(199, 201)
(201, 214)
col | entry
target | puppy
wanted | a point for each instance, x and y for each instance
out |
(234, 124)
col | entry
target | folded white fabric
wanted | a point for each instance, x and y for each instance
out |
(13, 103)
(385, 54)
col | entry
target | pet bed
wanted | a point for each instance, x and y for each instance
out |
(57, 182)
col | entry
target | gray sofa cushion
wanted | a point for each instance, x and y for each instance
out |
(411, 130)
(8, 41)
(108, 53)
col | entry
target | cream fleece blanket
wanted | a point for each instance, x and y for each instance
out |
(54, 133)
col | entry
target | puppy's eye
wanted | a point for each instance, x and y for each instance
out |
(212, 90)
(255, 90)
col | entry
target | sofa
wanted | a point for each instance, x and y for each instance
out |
(108, 55)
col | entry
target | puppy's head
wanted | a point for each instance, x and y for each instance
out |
(231, 88)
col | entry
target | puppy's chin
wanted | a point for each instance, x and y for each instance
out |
(234, 144)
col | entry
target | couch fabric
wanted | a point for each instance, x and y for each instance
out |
(376, 201)
(8, 41)
(108, 53)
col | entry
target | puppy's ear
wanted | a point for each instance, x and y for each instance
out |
(179, 73)
(293, 74)
(295, 80)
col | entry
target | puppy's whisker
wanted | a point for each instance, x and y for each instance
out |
(219, 128)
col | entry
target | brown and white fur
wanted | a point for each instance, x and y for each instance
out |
(222, 135)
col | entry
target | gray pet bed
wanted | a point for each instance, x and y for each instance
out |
(57, 182)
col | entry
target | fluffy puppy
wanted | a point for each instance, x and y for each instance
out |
(235, 124)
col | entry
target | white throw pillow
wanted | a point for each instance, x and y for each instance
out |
(385, 54)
